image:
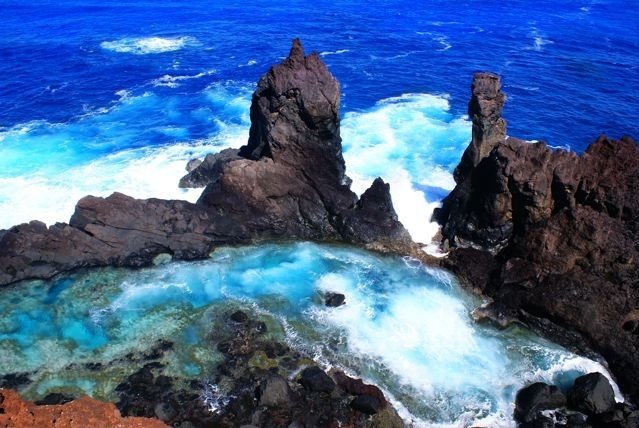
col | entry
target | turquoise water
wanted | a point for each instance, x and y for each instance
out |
(404, 326)
(117, 96)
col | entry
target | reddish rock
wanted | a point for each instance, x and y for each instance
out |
(357, 387)
(81, 413)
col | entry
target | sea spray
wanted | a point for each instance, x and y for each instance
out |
(404, 327)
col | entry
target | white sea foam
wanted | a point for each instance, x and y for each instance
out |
(249, 63)
(539, 40)
(412, 142)
(148, 45)
(174, 81)
(337, 52)
(57, 164)
(441, 39)
(461, 374)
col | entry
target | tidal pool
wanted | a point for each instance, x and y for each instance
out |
(404, 327)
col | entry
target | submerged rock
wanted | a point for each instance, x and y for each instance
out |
(243, 393)
(288, 182)
(550, 235)
(333, 300)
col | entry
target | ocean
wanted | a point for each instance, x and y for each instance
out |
(111, 96)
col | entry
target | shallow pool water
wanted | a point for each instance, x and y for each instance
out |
(405, 327)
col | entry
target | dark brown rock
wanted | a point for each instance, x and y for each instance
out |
(373, 220)
(592, 395)
(316, 380)
(333, 300)
(533, 399)
(204, 172)
(288, 182)
(366, 404)
(551, 235)
(358, 387)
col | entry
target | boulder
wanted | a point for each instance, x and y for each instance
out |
(355, 386)
(201, 173)
(333, 300)
(275, 392)
(366, 404)
(592, 395)
(533, 399)
(316, 380)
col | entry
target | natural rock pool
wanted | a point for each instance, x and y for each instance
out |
(404, 327)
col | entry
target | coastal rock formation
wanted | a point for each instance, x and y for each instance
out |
(288, 182)
(591, 403)
(81, 413)
(550, 235)
(260, 382)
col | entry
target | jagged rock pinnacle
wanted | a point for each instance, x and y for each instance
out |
(297, 51)
(489, 128)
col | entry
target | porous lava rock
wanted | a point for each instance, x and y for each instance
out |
(550, 235)
(80, 413)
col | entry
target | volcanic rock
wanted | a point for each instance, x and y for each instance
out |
(358, 387)
(275, 392)
(207, 170)
(288, 182)
(592, 394)
(533, 399)
(80, 413)
(316, 380)
(366, 404)
(550, 234)
(333, 300)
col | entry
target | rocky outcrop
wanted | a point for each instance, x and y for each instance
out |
(288, 182)
(260, 382)
(203, 172)
(591, 403)
(550, 235)
(536, 398)
(80, 413)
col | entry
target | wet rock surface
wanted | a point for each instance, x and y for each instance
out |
(549, 235)
(591, 403)
(288, 182)
(261, 383)
(535, 398)
(592, 394)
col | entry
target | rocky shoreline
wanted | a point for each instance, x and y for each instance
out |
(549, 235)
(287, 183)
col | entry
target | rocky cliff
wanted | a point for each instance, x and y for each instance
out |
(288, 182)
(549, 234)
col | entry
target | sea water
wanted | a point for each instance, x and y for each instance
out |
(117, 96)
(405, 327)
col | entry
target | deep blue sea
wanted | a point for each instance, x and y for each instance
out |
(100, 96)
(103, 96)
